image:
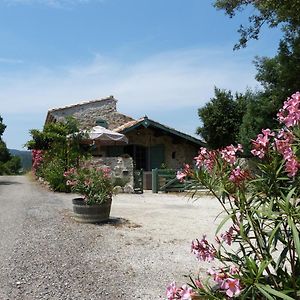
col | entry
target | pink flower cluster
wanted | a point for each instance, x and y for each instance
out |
(203, 250)
(226, 281)
(238, 176)
(206, 158)
(181, 175)
(184, 292)
(260, 145)
(106, 172)
(69, 174)
(37, 159)
(228, 236)
(229, 153)
(290, 112)
(283, 144)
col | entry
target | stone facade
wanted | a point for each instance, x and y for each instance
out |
(88, 113)
(121, 170)
(177, 151)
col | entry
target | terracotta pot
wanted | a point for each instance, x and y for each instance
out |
(95, 213)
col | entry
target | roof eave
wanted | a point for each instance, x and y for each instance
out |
(147, 122)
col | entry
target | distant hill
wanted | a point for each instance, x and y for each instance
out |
(26, 158)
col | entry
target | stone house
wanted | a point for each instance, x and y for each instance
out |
(151, 144)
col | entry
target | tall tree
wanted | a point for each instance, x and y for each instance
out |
(269, 12)
(8, 164)
(280, 78)
(221, 118)
(4, 153)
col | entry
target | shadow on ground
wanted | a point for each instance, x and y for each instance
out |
(120, 222)
(9, 182)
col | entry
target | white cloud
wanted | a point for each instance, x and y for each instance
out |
(180, 78)
(173, 80)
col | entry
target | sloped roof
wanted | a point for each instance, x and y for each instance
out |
(49, 116)
(146, 122)
(81, 103)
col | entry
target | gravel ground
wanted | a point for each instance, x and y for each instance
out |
(45, 254)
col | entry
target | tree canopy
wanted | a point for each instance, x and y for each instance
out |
(8, 164)
(221, 118)
(269, 12)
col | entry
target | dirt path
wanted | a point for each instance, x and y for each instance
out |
(45, 254)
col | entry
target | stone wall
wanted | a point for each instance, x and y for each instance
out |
(88, 113)
(121, 170)
(177, 150)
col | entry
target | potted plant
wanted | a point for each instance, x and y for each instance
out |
(95, 187)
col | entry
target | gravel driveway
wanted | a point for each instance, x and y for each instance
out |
(45, 254)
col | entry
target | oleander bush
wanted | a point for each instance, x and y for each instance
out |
(256, 252)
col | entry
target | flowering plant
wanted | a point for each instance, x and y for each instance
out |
(37, 160)
(258, 252)
(94, 184)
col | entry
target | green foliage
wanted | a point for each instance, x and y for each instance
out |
(269, 12)
(260, 113)
(25, 156)
(221, 118)
(4, 153)
(9, 165)
(118, 181)
(53, 173)
(61, 150)
(13, 166)
(94, 184)
(2, 126)
(258, 257)
(279, 76)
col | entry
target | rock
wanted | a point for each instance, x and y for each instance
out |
(128, 189)
(117, 189)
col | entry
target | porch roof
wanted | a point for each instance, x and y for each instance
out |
(146, 122)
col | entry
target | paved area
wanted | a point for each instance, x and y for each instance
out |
(45, 254)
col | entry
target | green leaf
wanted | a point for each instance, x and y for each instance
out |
(273, 233)
(266, 294)
(295, 235)
(261, 268)
(282, 257)
(223, 222)
(270, 290)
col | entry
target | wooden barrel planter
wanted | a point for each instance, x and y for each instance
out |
(95, 213)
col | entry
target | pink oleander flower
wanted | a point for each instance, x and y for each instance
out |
(199, 284)
(181, 175)
(232, 287)
(106, 172)
(260, 145)
(233, 270)
(292, 165)
(290, 112)
(186, 292)
(283, 144)
(171, 291)
(227, 237)
(37, 159)
(229, 153)
(71, 183)
(238, 176)
(174, 292)
(206, 158)
(225, 282)
(203, 250)
(218, 276)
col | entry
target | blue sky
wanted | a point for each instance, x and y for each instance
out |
(161, 58)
